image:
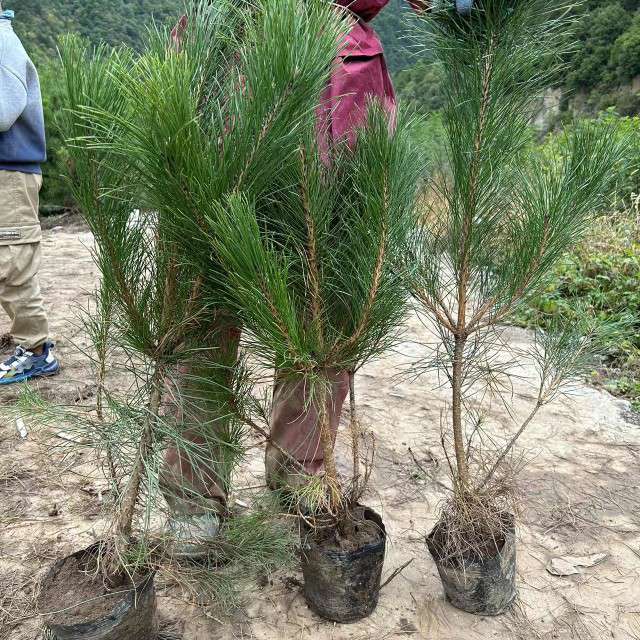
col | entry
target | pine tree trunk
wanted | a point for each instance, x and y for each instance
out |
(328, 445)
(355, 434)
(124, 522)
(458, 433)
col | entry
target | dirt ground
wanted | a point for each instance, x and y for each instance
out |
(581, 496)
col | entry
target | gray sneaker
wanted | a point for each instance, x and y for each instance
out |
(193, 535)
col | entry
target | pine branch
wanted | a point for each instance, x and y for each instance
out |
(376, 280)
(269, 121)
(312, 251)
(501, 458)
(124, 520)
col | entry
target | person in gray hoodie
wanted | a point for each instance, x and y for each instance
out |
(22, 150)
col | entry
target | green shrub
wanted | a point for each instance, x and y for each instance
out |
(420, 87)
(597, 30)
(625, 54)
(625, 128)
(603, 275)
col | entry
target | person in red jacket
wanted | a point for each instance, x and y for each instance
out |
(360, 75)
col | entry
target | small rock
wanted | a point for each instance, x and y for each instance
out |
(21, 428)
(570, 565)
(54, 511)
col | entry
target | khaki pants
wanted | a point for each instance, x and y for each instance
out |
(20, 257)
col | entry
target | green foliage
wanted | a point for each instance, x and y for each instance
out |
(116, 22)
(316, 279)
(419, 86)
(504, 213)
(41, 24)
(626, 131)
(56, 193)
(600, 277)
(428, 132)
(392, 25)
(315, 273)
(597, 32)
(625, 55)
(601, 62)
(173, 132)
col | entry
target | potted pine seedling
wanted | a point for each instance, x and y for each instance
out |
(169, 132)
(314, 276)
(503, 215)
(146, 305)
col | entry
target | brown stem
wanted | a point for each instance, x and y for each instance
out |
(312, 254)
(102, 374)
(327, 443)
(458, 435)
(124, 521)
(512, 442)
(355, 433)
(395, 574)
(269, 119)
(544, 393)
(464, 275)
(444, 319)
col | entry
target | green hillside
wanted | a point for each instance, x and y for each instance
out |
(116, 21)
(600, 71)
(392, 26)
(607, 56)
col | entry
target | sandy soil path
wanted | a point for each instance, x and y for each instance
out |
(581, 495)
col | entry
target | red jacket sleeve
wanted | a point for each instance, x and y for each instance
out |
(365, 9)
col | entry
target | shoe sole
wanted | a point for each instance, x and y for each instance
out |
(33, 376)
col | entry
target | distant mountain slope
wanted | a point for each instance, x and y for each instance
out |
(41, 22)
(603, 71)
(391, 25)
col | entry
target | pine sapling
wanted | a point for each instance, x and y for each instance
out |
(502, 216)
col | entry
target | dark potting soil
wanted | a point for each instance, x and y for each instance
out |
(353, 532)
(80, 594)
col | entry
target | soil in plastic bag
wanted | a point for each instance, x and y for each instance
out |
(342, 567)
(481, 585)
(78, 604)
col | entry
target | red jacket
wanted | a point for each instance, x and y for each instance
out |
(362, 40)
(360, 75)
